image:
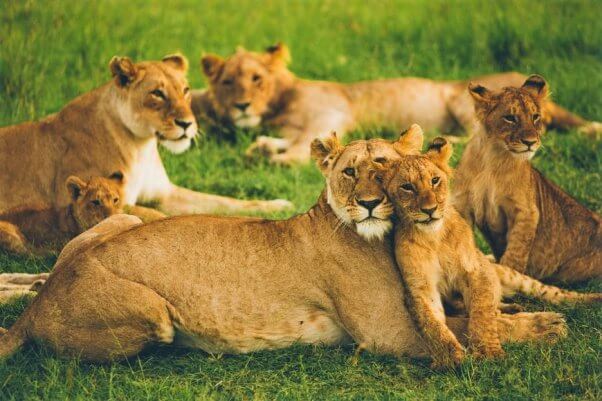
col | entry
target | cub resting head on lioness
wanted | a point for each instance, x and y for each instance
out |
(531, 224)
(438, 258)
(249, 89)
(308, 279)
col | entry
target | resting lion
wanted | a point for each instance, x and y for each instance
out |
(46, 228)
(236, 285)
(249, 89)
(115, 127)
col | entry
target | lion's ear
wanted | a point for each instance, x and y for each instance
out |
(278, 54)
(177, 61)
(324, 151)
(537, 86)
(117, 176)
(479, 93)
(410, 141)
(439, 152)
(75, 186)
(212, 65)
(123, 69)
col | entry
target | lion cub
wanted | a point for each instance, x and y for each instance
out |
(48, 228)
(438, 259)
(531, 224)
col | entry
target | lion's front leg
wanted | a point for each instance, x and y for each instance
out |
(482, 296)
(267, 146)
(185, 201)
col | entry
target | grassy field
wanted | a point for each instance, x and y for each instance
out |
(51, 51)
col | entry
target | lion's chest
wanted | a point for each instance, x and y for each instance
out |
(146, 178)
(485, 199)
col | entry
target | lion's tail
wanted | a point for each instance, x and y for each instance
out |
(514, 282)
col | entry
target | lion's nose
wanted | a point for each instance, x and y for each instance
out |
(182, 123)
(242, 106)
(528, 143)
(429, 210)
(369, 204)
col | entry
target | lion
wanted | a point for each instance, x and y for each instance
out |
(250, 89)
(531, 224)
(50, 228)
(115, 127)
(238, 285)
(438, 258)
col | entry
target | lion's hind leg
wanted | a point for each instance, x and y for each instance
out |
(582, 268)
(98, 316)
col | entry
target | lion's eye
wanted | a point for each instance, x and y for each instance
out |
(159, 93)
(95, 202)
(435, 180)
(115, 200)
(536, 117)
(380, 160)
(256, 78)
(349, 171)
(227, 81)
(407, 187)
(186, 90)
(510, 118)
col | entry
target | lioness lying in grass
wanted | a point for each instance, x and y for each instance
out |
(237, 285)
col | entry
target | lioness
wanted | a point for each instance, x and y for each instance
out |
(50, 228)
(531, 224)
(249, 89)
(235, 285)
(437, 257)
(113, 128)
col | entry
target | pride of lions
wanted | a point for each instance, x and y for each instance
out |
(385, 259)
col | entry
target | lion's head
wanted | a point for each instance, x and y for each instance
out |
(417, 185)
(95, 200)
(513, 118)
(244, 86)
(354, 189)
(153, 99)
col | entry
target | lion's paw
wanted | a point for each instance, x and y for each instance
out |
(278, 205)
(593, 128)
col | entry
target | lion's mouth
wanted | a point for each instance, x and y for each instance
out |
(162, 137)
(523, 154)
(370, 218)
(428, 221)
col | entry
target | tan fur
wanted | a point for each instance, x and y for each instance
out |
(50, 228)
(302, 110)
(307, 279)
(113, 128)
(437, 257)
(531, 224)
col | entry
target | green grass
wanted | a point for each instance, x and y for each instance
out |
(52, 51)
